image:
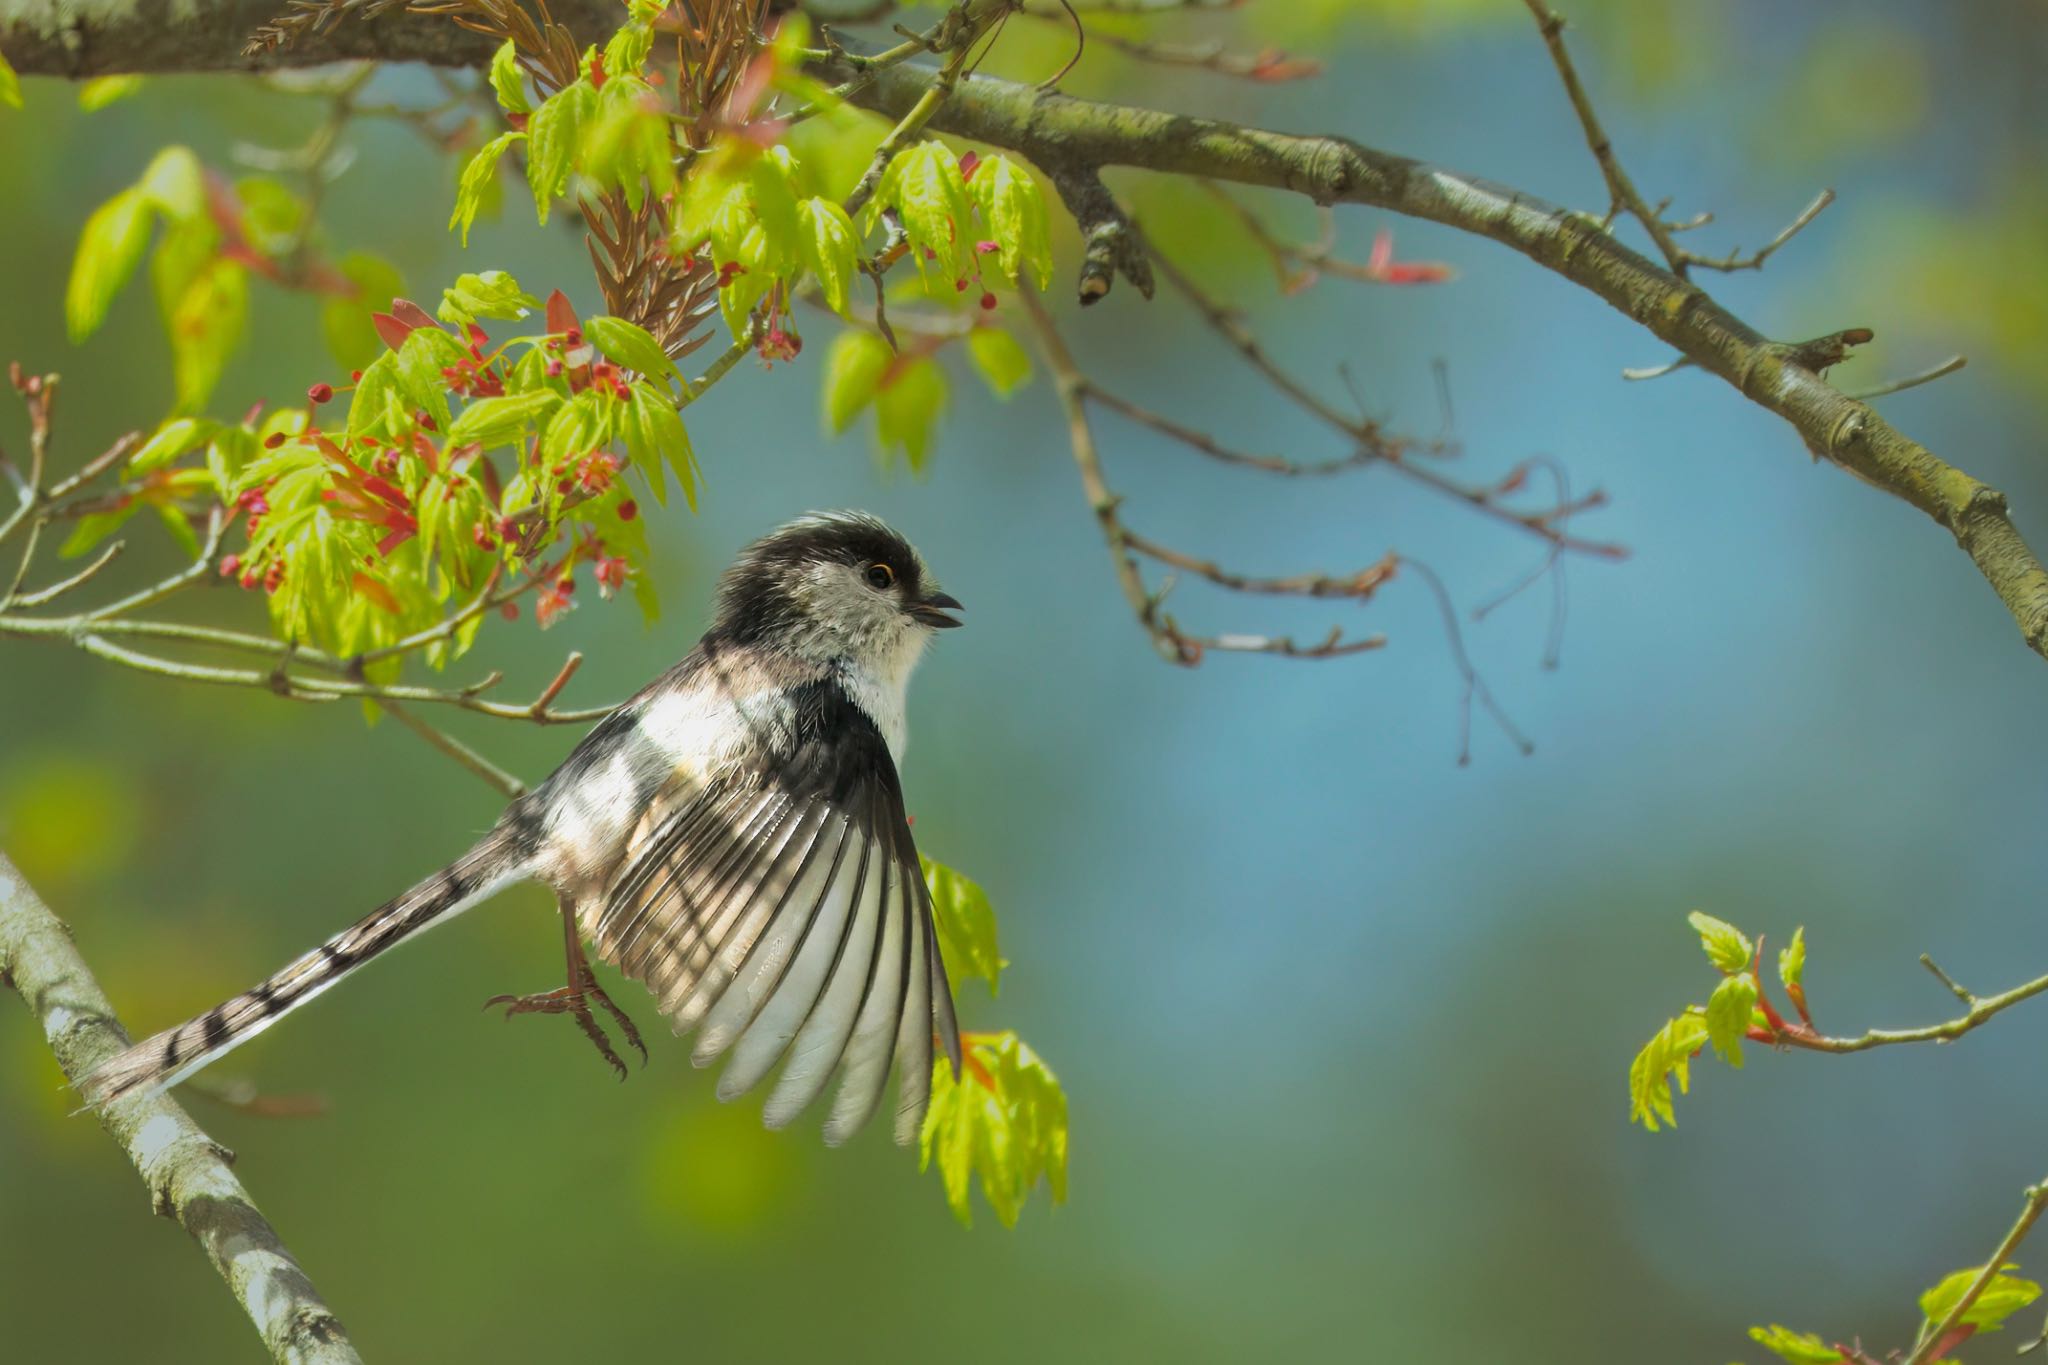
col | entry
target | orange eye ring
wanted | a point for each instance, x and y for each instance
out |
(881, 577)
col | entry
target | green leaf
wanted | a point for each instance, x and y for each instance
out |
(1013, 209)
(345, 318)
(831, 250)
(205, 327)
(1667, 1056)
(94, 527)
(10, 85)
(377, 408)
(631, 346)
(853, 370)
(1726, 946)
(480, 174)
(2004, 1296)
(1000, 359)
(1801, 1348)
(1728, 1011)
(654, 424)
(966, 924)
(109, 249)
(180, 526)
(772, 184)
(101, 91)
(171, 440)
(1792, 960)
(493, 294)
(552, 132)
(502, 420)
(175, 183)
(924, 185)
(508, 80)
(627, 51)
(428, 351)
(907, 408)
(272, 215)
(1004, 1118)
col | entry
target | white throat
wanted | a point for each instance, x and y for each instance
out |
(880, 685)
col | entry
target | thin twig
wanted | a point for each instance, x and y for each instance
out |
(1934, 1334)
(1619, 186)
(1913, 381)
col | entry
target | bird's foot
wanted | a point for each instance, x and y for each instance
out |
(575, 1001)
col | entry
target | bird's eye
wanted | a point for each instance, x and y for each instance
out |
(881, 577)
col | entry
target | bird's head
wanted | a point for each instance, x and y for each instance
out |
(834, 585)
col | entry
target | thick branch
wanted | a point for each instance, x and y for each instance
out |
(102, 37)
(1068, 137)
(186, 1171)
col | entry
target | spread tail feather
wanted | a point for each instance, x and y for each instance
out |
(159, 1062)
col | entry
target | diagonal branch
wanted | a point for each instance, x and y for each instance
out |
(1065, 135)
(186, 1171)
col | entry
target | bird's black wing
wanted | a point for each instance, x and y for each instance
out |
(782, 911)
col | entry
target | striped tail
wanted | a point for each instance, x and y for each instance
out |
(162, 1061)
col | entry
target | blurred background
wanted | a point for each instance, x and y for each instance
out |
(1344, 1026)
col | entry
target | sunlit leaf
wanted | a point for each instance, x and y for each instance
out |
(907, 408)
(492, 294)
(1003, 1119)
(507, 80)
(101, 91)
(170, 440)
(966, 924)
(109, 249)
(1792, 960)
(10, 84)
(2002, 1297)
(1013, 210)
(502, 420)
(831, 250)
(1726, 946)
(1666, 1057)
(479, 174)
(205, 327)
(631, 345)
(94, 527)
(1000, 359)
(1801, 1348)
(552, 132)
(853, 370)
(1728, 1012)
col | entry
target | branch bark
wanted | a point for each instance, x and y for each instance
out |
(187, 1172)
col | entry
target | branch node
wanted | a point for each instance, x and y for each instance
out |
(1113, 244)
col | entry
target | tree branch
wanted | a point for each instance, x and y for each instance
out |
(1066, 136)
(186, 1171)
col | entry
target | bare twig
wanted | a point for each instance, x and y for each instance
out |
(1913, 381)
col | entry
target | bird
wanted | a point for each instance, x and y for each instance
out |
(733, 837)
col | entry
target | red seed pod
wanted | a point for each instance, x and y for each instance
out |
(273, 576)
(273, 440)
(988, 300)
(554, 369)
(249, 579)
(230, 565)
(422, 420)
(355, 376)
(628, 510)
(510, 611)
(320, 393)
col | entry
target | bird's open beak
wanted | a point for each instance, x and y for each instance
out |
(928, 611)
